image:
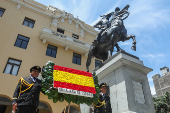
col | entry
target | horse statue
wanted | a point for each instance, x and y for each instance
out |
(111, 32)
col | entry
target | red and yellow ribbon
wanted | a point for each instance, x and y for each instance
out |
(73, 79)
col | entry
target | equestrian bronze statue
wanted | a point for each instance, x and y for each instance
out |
(111, 32)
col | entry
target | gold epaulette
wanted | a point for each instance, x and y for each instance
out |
(24, 83)
(101, 104)
(15, 98)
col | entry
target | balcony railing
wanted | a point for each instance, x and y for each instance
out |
(58, 34)
(48, 35)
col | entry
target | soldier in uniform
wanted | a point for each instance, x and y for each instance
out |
(26, 95)
(103, 105)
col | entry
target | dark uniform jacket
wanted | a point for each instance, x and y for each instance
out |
(27, 92)
(103, 105)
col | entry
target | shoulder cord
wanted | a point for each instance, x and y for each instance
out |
(24, 83)
(101, 103)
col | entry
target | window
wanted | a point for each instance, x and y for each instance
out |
(75, 36)
(60, 31)
(12, 66)
(97, 63)
(21, 42)
(51, 51)
(76, 58)
(28, 22)
(1, 12)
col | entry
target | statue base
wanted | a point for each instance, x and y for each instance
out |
(128, 83)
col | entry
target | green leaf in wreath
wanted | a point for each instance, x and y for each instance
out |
(55, 100)
(50, 96)
(61, 99)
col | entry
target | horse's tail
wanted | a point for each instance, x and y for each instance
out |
(88, 62)
(90, 56)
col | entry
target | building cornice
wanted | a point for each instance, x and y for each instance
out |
(71, 19)
(31, 8)
(27, 1)
(63, 15)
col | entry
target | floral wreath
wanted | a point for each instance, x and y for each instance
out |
(52, 93)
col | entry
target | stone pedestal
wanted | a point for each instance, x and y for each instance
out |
(129, 87)
(84, 108)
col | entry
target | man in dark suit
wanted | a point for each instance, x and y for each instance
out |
(26, 95)
(103, 105)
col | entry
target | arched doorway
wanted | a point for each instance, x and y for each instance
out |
(71, 110)
(5, 104)
(6, 107)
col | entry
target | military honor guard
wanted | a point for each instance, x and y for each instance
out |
(26, 95)
(103, 105)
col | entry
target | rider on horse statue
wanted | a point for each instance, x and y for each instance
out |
(111, 32)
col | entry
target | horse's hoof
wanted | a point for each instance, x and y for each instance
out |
(133, 35)
(134, 43)
(133, 48)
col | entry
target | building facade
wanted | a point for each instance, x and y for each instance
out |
(33, 34)
(162, 83)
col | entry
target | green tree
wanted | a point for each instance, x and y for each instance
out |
(162, 104)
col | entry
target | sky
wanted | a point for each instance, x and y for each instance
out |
(149, 21)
